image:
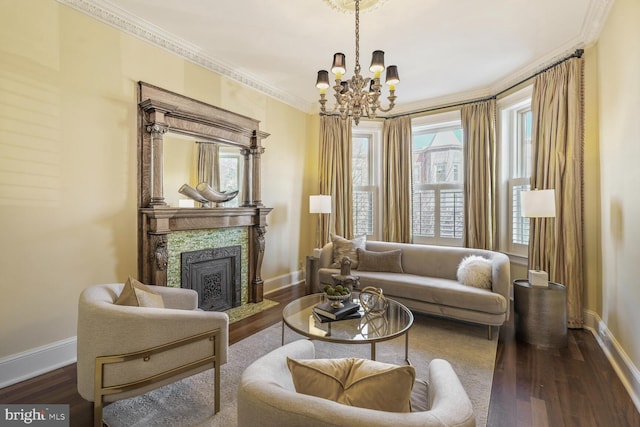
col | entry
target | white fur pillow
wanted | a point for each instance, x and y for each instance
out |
(475, 271)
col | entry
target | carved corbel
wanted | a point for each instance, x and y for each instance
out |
(259, 243)
(159, 258)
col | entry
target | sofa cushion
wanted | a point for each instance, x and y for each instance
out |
(355, 382)
(343, 247)
(137, 294)
(432, 290)
(390, 261)
(475, 271)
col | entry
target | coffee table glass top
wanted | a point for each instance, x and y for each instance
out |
(298, 316)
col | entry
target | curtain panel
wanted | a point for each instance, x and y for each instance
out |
(480, 208)
(396, 179)
(556, 244)
(208, 164)
(335, 175)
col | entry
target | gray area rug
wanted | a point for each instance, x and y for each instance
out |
(190, 402)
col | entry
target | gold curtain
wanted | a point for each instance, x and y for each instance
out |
(557, 162)
(480, 211)
(335, 174)
(396, 179)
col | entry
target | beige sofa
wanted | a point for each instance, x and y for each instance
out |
(429, 282)
(267, 398)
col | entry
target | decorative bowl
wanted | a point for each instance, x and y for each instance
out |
(338, 299)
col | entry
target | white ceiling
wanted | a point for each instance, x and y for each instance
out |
(446, 50)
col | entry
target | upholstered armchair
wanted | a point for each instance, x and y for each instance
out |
(267, 397)
(124, 351)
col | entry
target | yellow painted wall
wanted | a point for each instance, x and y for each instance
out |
(618, 53)
(68, 88)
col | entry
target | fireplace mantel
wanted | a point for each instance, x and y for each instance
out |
(161, 112)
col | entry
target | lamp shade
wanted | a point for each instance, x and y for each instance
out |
(320, 204)
(538, 203)
(392, 75)
(323, 79)
(338, 66)
(377, 61)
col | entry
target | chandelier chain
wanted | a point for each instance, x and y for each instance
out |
(358, 35)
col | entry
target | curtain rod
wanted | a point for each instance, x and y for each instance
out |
(577, 54)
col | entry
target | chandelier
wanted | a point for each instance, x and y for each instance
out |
(357, 96)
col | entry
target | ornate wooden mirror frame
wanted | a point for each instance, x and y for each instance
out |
(161, 111)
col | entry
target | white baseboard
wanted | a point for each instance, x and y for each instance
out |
(37, 361)
(284, 281)
(621, 363)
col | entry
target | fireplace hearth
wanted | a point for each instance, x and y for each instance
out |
(214, 273)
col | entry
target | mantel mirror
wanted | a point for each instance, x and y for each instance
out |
(189, 161)
(185, 141)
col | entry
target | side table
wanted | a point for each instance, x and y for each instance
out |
(311, 278)
(541, 313)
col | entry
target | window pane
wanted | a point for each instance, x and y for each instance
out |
(437, 179)
(362, 213)
(360, 162)
(228, 173)
(437, 156)
(451, 214)
(523, 145)
(520, 224)
(424, 208)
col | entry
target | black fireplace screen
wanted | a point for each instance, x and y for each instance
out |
(215, 274)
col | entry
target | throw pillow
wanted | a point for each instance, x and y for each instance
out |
(343, 247)
(137, 294)
(355, 382)
(475, 271)
(389, 261)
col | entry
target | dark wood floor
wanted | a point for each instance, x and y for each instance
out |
(574, 386)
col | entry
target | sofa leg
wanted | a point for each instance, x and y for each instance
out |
(490, 333)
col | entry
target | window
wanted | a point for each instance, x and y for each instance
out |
(229, 172)
(365, 174)
(438, 200)
(515, 147)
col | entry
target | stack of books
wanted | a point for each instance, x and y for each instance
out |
(326, 313)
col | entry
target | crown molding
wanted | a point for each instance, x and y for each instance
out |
(112, 15)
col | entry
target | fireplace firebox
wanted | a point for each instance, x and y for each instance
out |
(214, 273)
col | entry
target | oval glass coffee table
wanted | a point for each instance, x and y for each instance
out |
(368, 329)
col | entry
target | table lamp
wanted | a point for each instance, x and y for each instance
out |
(538, 204)
(320, 204)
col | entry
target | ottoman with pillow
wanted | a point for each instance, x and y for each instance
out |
(460, 283)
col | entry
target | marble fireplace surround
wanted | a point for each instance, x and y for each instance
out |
(161, 111)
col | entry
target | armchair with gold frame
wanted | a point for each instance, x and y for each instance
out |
(125, 351)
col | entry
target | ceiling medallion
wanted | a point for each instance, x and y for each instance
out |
(358, 96)
(350, 5)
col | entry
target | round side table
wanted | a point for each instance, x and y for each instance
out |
(541, 313)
